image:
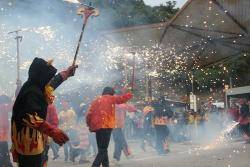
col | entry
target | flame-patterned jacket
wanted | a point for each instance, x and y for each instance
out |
(30, 108)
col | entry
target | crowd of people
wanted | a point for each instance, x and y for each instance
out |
(37, 124)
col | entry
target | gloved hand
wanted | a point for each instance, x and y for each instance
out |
(59, 137)
(69, 72)
(56, 134)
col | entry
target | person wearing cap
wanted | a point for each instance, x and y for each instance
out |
(100, 119)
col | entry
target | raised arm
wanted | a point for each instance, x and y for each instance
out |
(123, 98)
(62, 76)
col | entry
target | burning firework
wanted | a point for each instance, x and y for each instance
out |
(222, 137)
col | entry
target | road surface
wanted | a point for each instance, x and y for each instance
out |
(232, 154)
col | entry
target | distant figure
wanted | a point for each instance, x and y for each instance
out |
(147, 127)
(67, 119)
(100, 119)
(5, 108)
(244, 119)
(118, 133)
(162, 115)
(80, 143)
(52, 118)
(234, 112)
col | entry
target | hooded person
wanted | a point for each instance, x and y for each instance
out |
(100, 119)
(29, 127)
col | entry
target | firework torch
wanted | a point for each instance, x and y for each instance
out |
(133, 73)
(86, 11)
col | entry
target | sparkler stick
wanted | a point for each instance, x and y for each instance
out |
(133, 73)
(86, 11)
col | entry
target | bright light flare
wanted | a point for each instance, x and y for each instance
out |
(222, 137)
(72, 1)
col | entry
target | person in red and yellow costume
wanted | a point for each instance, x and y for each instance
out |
(5, 108)
(29, 127)
(162, 115)
(100, 119)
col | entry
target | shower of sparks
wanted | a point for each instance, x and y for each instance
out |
(46, 32)
(106, 61)
(222, 138)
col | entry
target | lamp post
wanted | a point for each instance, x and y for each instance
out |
(226, 99)
(18, 39)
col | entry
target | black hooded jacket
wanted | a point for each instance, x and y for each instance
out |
(31, 101)
(31, 96)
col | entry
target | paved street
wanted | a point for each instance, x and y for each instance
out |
(234, 154)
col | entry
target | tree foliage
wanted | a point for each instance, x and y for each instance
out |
(125, 13)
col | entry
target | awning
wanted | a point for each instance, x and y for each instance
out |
(208, 31)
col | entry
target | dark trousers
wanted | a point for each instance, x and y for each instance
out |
(4, 155)
(67, 146)
(102, 139)
(245, 129)
(76, 152)
(55, 148)
(162, 133)
(147, 133)
(30, 160)
(67, 150)
(120, 143)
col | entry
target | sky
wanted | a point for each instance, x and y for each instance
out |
(157, 2)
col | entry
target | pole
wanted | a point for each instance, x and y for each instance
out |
(18, 39)
(231, 83)
(86, 11)
(192, 82)
(147, 88)
(226, 99)
(133, 72)
(79, 41)
(126, 71)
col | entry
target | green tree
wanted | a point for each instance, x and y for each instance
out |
(124, 13)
